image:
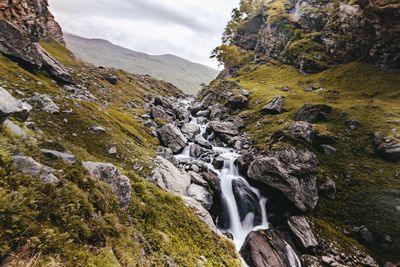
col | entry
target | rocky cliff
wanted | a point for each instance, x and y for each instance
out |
(314, 35)
(31, 17)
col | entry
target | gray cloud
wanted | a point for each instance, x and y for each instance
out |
(187, 28)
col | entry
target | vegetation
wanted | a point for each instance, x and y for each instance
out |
(78, 222)
(368, 187)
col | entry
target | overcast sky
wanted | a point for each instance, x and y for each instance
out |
(186, 28)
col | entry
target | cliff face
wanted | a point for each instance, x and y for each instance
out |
(314, 35)
(31, 17)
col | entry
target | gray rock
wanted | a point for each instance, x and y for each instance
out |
(201, 195)
(203, 113)
(182, 114)
(14, 129)
(310, 261)
(108, 173)
(200, 140)
(302, 130)
(213, 181)
(265, 249)
(328, 150)
(237, 101)
(31, 167)
(197, 179)
(202, 120)
(218, 163)
(247, 201)
(292, 172)
(46, 103)
(275, 106)
(239, 122)
(328, 189)
(217, 112)
(228, 128)
(173, 138)
(98, 129)
(201, 212)
(68, 159)
(113, 150)
(52, 66)
(243, 163)
(111, 78)
(313, 113)
(302, 231)
(158, 112)
(170, 178)
(10, 106)
(166, 153)
(387, 148)
(190, 130)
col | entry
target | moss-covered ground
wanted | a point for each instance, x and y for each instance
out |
(368, 186)
(78, 222)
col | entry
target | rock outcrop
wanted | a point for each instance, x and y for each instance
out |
(10, 106)
(28, 165)
(292, 172)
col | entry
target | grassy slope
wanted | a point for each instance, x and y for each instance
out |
(78, 222)
(185, 74)
(365, 182)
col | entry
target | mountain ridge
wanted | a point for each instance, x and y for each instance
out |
(183, 73)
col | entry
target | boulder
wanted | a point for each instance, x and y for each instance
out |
(237, 101)
(190, 130)
(328, 189)
(247, 201)
(158, 112)
(201, 195)
(243, 163)
(313, 113)
(292, 172)
(173, 138)
(14, 129)
(163, 102)
(213, 180)
(302, 130)
(112, 79)
(68, 159)
(197, 179)
(46, 103)
(196, 151)
(170, 178)
(217, 112)
(52, 66)
(310, 261)
(108, 173)
(203, 113)
(201, 212)
(10, 106)
(265, 249)
(200, 140)
(218, 163)
(387, 148)
(328, 150)
(228, 128)
(302, 231)
(166, 153)
(275, 106)
(182, 114)
(31, 167)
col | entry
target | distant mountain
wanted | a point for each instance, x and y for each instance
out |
(184, 74)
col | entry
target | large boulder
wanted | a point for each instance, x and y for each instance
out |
(190, 130)
(387, 148)
(66, 158)
(170, 178)
(302, 130)
(247, 201)
(265, 249)
(217, 112)
(173, 138)
(108, 173)
(46, 103)
(292, 172)
(237, 101)
(275, 106)
(201, 195)
(302, 231)
(228, 128)
(10, 106)
(200, 140)
(31, 167)
(243, 163)
(313, 113)
(158, 112)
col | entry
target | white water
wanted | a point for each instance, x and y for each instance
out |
(239, 228)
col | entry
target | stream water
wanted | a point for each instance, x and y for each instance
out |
(239, 226)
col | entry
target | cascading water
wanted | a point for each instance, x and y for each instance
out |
(240, 225)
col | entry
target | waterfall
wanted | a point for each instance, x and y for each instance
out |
(239, 226)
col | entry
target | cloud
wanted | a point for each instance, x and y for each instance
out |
(186, 28)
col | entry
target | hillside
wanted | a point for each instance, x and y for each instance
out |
(76, 154)
(186, 75)
(316, 84)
